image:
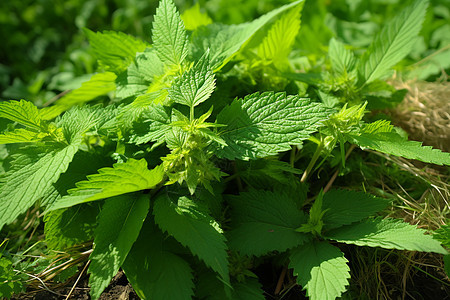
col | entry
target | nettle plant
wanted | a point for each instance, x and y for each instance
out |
(181, 179)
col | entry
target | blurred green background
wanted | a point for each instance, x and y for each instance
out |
(44, 52)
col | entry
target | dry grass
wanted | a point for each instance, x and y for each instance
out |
(425, 112)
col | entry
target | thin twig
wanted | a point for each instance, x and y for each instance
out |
(333, 178)
(42, 282)
(76, 282)
(281, 280)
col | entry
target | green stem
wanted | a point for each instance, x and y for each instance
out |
(191, 115)
(312, 162)
(292, 157)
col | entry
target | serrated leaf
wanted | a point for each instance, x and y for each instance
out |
(154, 124)
(264, 124)
(343, 60)
(277, 45)
(251, 289)
(386, 233)
(168, 34)
(139, 75)
(21, 136)
(344, 207)
(154, 271)
(195, 229)
(98, 85)
(122, 178)
(226, 40)
(393, 143)
(21, 188)
(264, 222)
(67, 227)
(114, 50)
(194, 86)
(23, 112)
(321, 269)
(119, 224)
(393, 43)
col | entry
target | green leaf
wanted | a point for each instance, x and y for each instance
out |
(23, 112)
(139, 75)
(262, 173)
(20, 136)
(345, 207)
(193, 228)
(98, 85)
(443, 235)
(11, 282)
(67, 227)
(21, 188)
(393, 43)
(119, 224)
(224, 41)
(343, 61)
(194, 86)
(168, 34)
(154, 271)
(194, 18)
(251, 289)
(393, 143)
(123, 178)
(264, 222)
(154, 124)
(386, 233)
(264, 124)
(277, 45)
(320, 268)
(114, 50)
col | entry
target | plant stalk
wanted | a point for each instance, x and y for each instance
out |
(312, 162)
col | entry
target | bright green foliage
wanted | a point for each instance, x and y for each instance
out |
(21, 136)
(154, 271)
(140, 75)
(67, 227)
(194, 86)
(155, 126)
(343, 60)
(119, 223)
(393, 43)
(345, 207)
(277, 45)
(114, 50)
(10, 281)
(265, 222)
(393, 143)
(224, 41)
(168, 34)
(193, 227)
(23, 112)
(264, 124)
(100, 84)
(315, 222)
(386, 233)
(199, 190)
(193, 17)
(320, 268)
(20, 189)
(123, 178)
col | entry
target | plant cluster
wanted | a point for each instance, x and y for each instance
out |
(197, 154)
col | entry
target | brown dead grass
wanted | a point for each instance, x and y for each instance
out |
(425, 112)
